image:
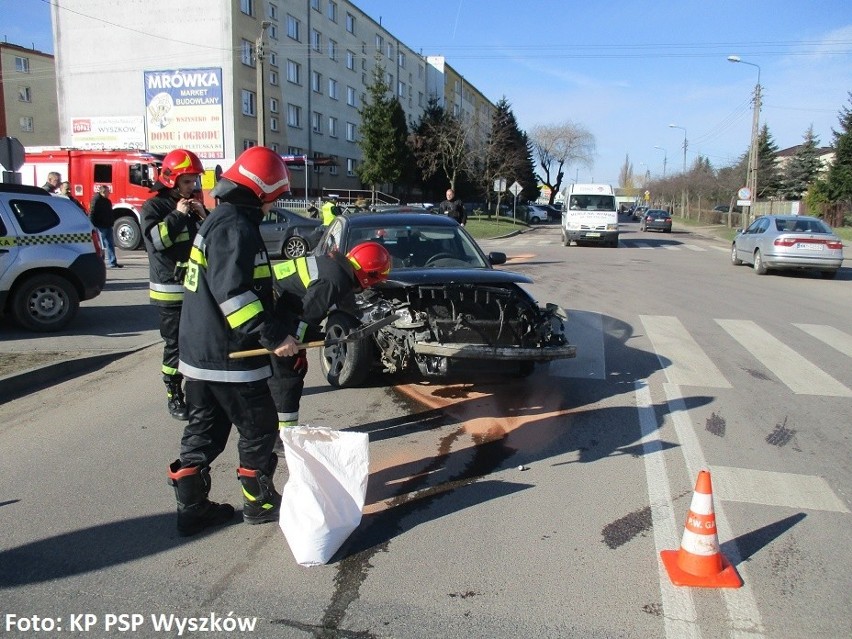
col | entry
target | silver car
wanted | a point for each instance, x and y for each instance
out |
(784, 242)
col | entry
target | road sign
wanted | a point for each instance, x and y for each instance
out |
(500, 185)
(744, 193)
(11, 153)
(516, 188)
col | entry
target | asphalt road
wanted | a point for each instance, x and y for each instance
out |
(500, 509)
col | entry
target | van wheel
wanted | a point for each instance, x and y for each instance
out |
(127, 233)
(45, 303)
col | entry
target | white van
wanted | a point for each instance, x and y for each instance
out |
(590, 215)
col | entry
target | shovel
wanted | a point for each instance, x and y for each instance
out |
(354, 336)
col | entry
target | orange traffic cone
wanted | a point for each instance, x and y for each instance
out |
(699, 562)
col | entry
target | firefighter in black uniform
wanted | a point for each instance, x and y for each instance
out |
(307, 289)
(229, 307)
(170, 220)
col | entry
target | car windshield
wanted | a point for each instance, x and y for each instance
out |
(800, 225)
(422, 245)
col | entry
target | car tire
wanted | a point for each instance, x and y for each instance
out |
(44, 302)
(759, 266)
(345, 365)
(734, 259)
(127, 234)
(294, 247)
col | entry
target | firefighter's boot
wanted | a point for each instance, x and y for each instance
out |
(261, 501)
(174, 398)
(194, 511)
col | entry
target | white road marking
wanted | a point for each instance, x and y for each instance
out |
(797, 373)
(776, 489)
(682, 359)
(833, 337)
(693, 247)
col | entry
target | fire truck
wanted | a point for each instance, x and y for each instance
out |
(128, 173)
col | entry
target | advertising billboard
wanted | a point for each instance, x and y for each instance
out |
(116, 132)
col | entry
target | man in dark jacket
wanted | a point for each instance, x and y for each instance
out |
(102, 218)
(170, 220)
(229, 307)
(451, 207)
(307, 289)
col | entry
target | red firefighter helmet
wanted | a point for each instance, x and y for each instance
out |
(262, 171)
(372, 263)
(176, 163)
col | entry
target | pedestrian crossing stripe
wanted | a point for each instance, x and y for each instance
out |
(36, 240)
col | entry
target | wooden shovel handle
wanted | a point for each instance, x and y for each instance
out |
(262, 351)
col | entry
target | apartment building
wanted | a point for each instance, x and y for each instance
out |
(188, 76)
(27, 95)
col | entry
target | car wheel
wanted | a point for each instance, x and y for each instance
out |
(348, 364)
(759, 266)
(127, 233)
(295, 247)
(734, 259)
(45, 303)
(829, 275)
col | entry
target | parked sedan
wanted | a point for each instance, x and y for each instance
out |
(656, 220)
(788, 242)
(537, 214)
(456, 314)
(289, 235)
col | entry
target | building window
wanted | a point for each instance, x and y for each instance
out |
(248, 143)
(24, 94)
(332, 11)
(332, 168)
(332, 49)
(350, 131)
(400, 59)
(316, 122)
(273, 31)
(350, 167)
(272, 11)
(292, 28)
(294, 116)
(350, 97)
(22, 65)
(380, 43)
(273, 124)
(332, 126)
(332, 88)
(274, 147)
(400, 89)
(247, 7)
(273, 78)
(273, 59)
(316, 81)
(247, 53)
(350, 23)
(350, 60)
(316, 40)
(294, 150)
(389, 51)
(315, 5)
(389, 80)
(249, 103)
(26, 124)
(273, 105)
(294, 72)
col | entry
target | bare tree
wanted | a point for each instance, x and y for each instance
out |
(559, 146)
(625, 175)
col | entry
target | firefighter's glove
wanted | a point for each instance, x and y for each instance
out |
(301, 363)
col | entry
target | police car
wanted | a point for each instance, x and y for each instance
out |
(50, 258)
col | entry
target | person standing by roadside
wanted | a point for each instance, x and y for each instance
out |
(52, 184)
(170, 220)
(65, 191)
(329, 211)
(229, 307)
(103, 218)
(454, 208)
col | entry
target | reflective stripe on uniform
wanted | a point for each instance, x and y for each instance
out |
(166, 292)
(198, 257)
(305, 267)
(230, 377)
(168, 370)
(240, 309)
(161, 239)
(288, 420)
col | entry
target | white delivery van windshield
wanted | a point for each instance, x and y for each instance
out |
(592, 203)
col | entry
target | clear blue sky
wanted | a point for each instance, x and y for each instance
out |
(623, 69)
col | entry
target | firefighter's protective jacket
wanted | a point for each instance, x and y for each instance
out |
(168, 238)
(228, 303)
(308, 288)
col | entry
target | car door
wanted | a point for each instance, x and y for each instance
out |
(751, 237)
(8, 246)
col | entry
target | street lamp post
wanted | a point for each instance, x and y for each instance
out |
(259, 54)
(683, 189)
(665, 156)
(751, 178)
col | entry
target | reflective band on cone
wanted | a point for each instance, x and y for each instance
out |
(699, 562)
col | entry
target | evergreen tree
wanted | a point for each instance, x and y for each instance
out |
(509, 154)
(384, 135)
(768, 175)
(803, 168)
(839, 179)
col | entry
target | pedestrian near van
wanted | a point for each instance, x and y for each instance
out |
(65, 191)
(170, 220)
(228, 307)
(454, 208)
(102, 216)
(52, 183)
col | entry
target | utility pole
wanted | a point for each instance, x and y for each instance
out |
(259, 54)
(683, 190)
(665, 157)
(751, 178)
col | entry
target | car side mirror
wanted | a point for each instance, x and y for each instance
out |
(496, 258)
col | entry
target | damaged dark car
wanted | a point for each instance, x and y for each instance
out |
(454, 312)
